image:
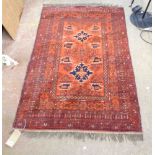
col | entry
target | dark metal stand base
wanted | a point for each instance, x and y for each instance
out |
(141, 22)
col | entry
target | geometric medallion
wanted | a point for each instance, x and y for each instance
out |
(81, 72)
(82, 36)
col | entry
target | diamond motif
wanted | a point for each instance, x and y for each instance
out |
(81, 36)
(81, 72)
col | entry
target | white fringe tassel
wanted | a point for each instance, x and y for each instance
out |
(116, 137)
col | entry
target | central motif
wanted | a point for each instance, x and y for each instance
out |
(82, 36)
(81, 72)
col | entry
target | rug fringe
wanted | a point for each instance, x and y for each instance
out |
(82, 4)
(79, 135)
(93, 136)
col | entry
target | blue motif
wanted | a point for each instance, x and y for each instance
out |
(81, 36)
(76, 71)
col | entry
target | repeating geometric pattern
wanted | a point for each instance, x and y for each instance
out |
(80, 75)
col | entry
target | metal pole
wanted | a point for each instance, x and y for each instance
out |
(146, 8)
(131, 3)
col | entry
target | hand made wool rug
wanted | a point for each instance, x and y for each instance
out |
(80, 77)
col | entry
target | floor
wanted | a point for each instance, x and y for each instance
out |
(13, 78)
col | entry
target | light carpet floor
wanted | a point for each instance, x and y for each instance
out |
(13, 79)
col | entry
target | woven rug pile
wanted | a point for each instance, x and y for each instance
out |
(80, 77)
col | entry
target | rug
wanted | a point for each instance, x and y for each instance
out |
(80, 77)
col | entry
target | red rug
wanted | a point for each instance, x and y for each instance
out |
(80, 76)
